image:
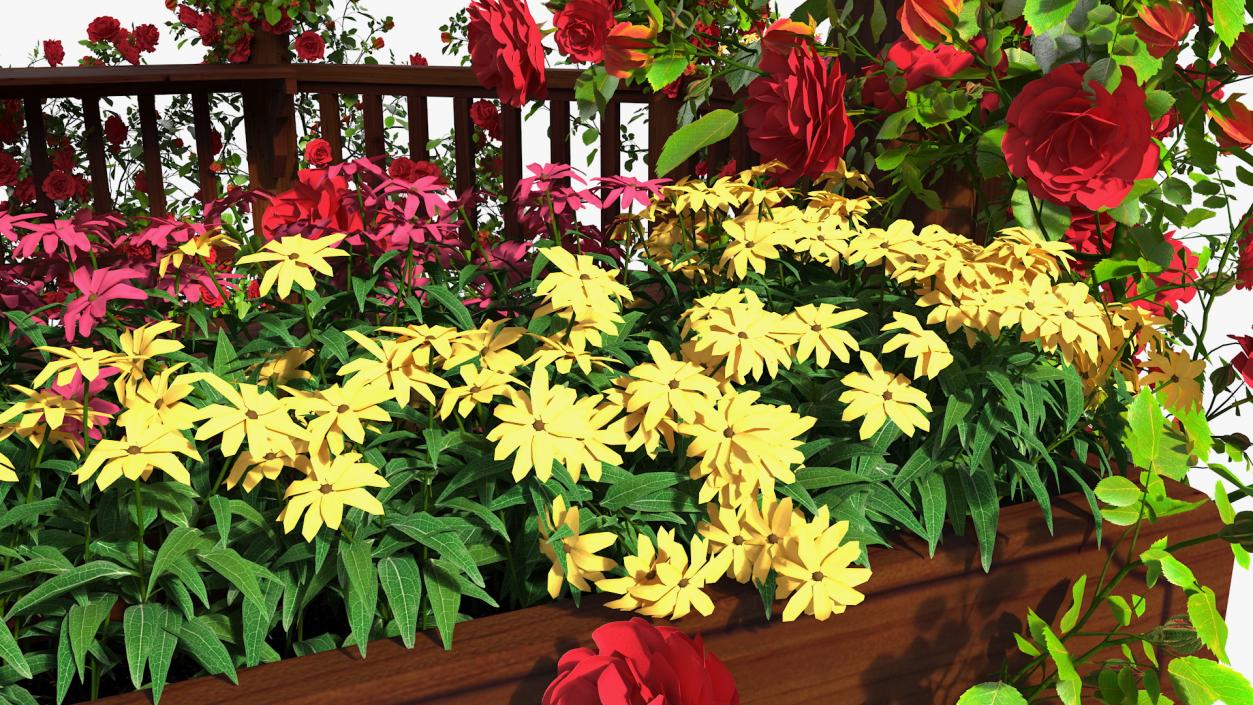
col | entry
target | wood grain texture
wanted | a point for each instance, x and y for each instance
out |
(930, 628)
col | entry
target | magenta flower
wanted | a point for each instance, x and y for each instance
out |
(627, 190)
(97, 288)
(50, 236)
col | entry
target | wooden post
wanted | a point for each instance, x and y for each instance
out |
(270, 119)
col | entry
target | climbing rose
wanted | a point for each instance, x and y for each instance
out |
(59, 185)
(797, 116)
(54, 53)
(309, 46)
(115, 130)
(484, 114)
(103, 29)
(505, 50)
(1240, 56)
(1233, 125)
(318, 152)
(1163, 26)
(918, 66)
(582, 28)
(1244, 266)
(1243, 363)
(146, 37)
(778, 41)
(8, 169)
(417, 59)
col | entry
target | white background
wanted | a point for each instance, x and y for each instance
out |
(417, 23)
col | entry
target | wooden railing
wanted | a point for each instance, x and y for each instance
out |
(269, 93)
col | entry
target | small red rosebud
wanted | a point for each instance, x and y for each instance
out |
(378, 42)
(445, 37)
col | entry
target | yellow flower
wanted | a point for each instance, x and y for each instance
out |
(754, 535)
(250, 413)
(135, 456)
(285, 368)
(481, 387)
(295, 259)
(396, 364)
(820, 333)
(253, 469)
(565, 357)
(1017, 253)
(341, 412)
(43, 409)
(581, 562)
(72, 362)
(1074, 322)
(198, 247)
(743, 445)
(745, 341)
(437, 339)
(579, 284)
(929, 352)
(140, 345)
(490, 344)
(648, 438)
(6, 469)
(752, 243)
(876, 396)
(158, 401)
(1176, 377)
(329, 487)
(823, 239)
(681, 580)
(667, 388)
(641, 569)
(815, 570)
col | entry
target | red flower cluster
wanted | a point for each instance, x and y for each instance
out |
(636, 663)
(918, 66)
(406, 169)
(582, 28)
(486, 116)
(505, 50)
(416, 59)
(309, 46)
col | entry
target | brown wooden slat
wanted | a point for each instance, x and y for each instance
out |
(375, 135)
(99, 169)
(153, 178)
(332, 130)
(559, 131)
(202, 129)
(929, 629)
(463, 154)
(610, 153)
(511, 156)
(419, 127)
(40, 164)
(663, 120)
(741, 149)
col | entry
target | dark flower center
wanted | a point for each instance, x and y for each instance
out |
(341, 409)
(326, 488)
(538, 425)
(818, 576)
(251, 415)
(134, 450)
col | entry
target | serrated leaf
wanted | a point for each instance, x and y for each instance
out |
(445, 600)
(402, 585)
(711, 128)
(665, 70)
(362, 589)
(1118, 491)
(1228, 22)
(1204, 682)
(992, 694)
(1210, 626)
(1044, 15)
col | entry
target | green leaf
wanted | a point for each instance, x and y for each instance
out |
(1044, 15)
(72, 579)
(1203, 682)
(402, 584)
(1049, 220)
(65, 664)
(445, 599)
(362, 589)
(149, 635)
(1069, 683)
(992, 694)
(934, 507)
(1118, 491)
(1071, 616)
(198, 639)
(445, 298)
(711, 128)
(224, 355)
(180, 541)
(1147, 439)
(985, 510)
(896, 124)
(1228, 23)
(663, 71)
(1173, 569)
(637, 487)
(334, 342)
(11, 653)
(83, 623)
(1122, 611)
(429, 532)
(1226, 512)
(240, 572)
(1210, 627)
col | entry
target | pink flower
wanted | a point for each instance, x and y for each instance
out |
(51, 236)
(1243, 363)
(96, 289)
(627, 190)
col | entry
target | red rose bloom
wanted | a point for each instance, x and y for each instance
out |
(378, 42)
(309, 46)
(103, 29)
(318, 152)
(582, 28)
(624, 49)
(505, 50)
(317, 205)
(1240, 55)
(115, 130)
(241, 52)
(406, 169)
(188, 17)
(636, 663)
(59, 185)
(418, 60)
(209, 26)
(146, 37)
(1167, 123)
(485, 114)
(1163, 26)
(918, 66)
(1233, 125)
(64, 158)
(797, 116)
(1175, 284)
(8, 169)
(54, 53)
(125, 44)
(1243, 363)
(1078, 148)
(24, 192)
(1244, 266)
(929, 21)
(778, 41)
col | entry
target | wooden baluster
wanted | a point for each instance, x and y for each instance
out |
(511, 155)
(153, 178)
(610, 153)
(332, 130)
(559, 131)
(419, 127)
(101, 199)
(663, 120)
(716, 156)
(463, 137)
(40, 164)
(375, 135)
(741, 149)
(202, 130)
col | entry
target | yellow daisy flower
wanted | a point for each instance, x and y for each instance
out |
(199, 247)
(928, 350)
(641, 569)
(744, 341)
(285, 368)
(752, 243)
(135, 456)
(397, 365)
(158, 401)
(341, 412)
(581, 562)
(821, 335)
(253, 469)
(877, 395)
(1176, 377)
(681, 580)
(141, 344)
(565, 357)
(489, 343)
(71, 362)
(295, 258)
(815, 571)
(481, 387)
(329, 487)
(250, 413)
(667, 388)
(6, 469)
(579, 284)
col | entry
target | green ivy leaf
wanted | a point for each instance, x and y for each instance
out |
(711, 128)
(992, 694)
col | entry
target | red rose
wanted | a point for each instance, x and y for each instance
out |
(418, 60)
(1080, 148)
(209, 26)
(778, 41)
(103, 29)
(317, 205)
(284, 25)
(24, 192)
(1087, 238)
(146, 37)
(1175, 284)
(59, 185)
(1244, 266)
(1243, 363)
(918, 66)
(54, 53)
(1163, 26)
(141, 181)
(188, 17)
(484, 114)
(929, 21)
(406, 169)
(636, 663)
(125, 44)
(505, 50)
(1167, 123)
(64, 158)
(242, 14)
(8, 169)
(624, 49)
(318, 152)
(115, 130)
(582, 28)
(1233, 125)
(309, 46)
(797, 116)
(241, 52)
(1240, 55)
(377, 42)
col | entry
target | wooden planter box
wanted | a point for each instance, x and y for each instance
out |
(929, 629)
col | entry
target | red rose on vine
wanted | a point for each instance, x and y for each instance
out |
(625, 48)
(416, 59)
(485, 114)
(1163, 26)
(778, 41)
(582, 28)
(146, 37)
(59, 185)
(406, 169)
(54, 53)
(310, 46)
(318, 152)
(1240, 56)
(8, 169)
(505, 50)
(103, 29)
(1233, 125)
